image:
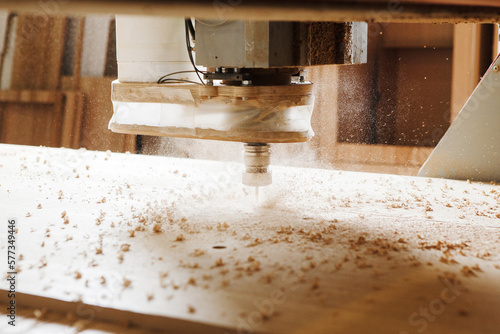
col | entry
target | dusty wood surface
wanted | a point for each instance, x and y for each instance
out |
(323, 251)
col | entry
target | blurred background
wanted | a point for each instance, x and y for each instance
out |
(384, 116)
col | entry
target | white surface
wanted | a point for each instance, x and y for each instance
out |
(149, 47)
(95, 45)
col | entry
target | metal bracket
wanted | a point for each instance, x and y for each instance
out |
(470, 149)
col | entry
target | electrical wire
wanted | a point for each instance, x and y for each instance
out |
(174, 73)
(190, 32)
(172, 80)
(191, 28)
(188, 22)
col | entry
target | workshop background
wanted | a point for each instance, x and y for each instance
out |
(384, 116)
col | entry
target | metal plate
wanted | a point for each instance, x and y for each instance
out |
(470, 149)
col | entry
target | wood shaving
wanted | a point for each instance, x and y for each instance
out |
(476, 268)
(126, 283)
(467, 272)
(40, 313)
(80, 325)
(198, 252)
(219, 262)
(157, 228)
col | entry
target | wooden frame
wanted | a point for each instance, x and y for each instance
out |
(66, 110)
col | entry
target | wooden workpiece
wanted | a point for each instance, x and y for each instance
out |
(263, 103)
(180, 245)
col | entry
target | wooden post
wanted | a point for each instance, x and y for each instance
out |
(467, 64)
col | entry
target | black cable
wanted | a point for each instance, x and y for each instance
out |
(189, 32)
(190, 49)
(173, 73)
(173, 80)
(191, 28)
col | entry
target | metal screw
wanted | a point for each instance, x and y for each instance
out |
(496, 68)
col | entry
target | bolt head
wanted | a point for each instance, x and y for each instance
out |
(496, 68)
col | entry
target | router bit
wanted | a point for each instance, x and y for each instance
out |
(257, 158)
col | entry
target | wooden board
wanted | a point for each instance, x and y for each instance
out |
(180, 245)
(39, 38)
(31, 117)
(73, 118)
(41, 117)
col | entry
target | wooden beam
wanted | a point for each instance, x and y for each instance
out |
(8, 57)
(431, 11)
(72, 120)
(466, 65)
(4, 31)
(29, 96)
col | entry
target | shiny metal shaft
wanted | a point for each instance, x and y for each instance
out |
(257, 158)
